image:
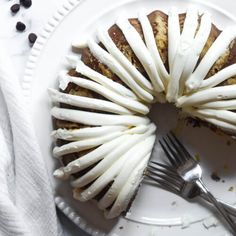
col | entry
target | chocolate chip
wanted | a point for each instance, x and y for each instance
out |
(26, 3)
(32, 38)
(15, 8)
(20, 26)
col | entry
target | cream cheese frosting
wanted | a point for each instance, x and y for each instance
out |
(118, 137)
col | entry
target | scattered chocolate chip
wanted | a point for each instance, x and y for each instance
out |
(20, 26)
(223, 181)
(32, 38)
(15, 8)
(121, 227)
(26, 3)
(215, 176)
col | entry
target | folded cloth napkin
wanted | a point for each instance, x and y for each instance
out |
(26, 197)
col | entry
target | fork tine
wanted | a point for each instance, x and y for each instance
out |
(182, 147)
(163, 184)
(173, 152)
(181, 155)
(165, 180)
(164, 168)
(165, 175)
(168, 154)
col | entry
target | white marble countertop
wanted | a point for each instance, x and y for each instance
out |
(34, 18)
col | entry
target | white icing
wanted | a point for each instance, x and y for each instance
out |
(141, 51)
(196, 49)
(112, 157)
(84, 133)
(107, 93)
(173, 35)
(117, 54)
(211, 94)
(225, 116)
(89, 158)
(107, 162)
(215, 119)
(139, 154)
(225, 105)
(103, 80)
(115, 167)
(96, 119)
(82, 145)
(119, 70)
(87, 102)
(72, 60)
(219, 77)
(183, 50)
(152, 47)
(128, 190)
(214, 52)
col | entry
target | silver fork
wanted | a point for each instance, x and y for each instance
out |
(167, 178)
(190, 171)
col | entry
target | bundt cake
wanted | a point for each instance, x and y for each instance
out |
(104, 138)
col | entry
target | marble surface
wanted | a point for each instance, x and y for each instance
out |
(19, 48)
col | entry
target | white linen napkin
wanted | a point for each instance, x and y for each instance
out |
(26, 198)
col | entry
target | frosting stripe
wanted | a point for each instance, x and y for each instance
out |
(108, 175)
(106, 163)
(140, 50)
(112, 96)
(196, 49)
(225, 105)
(173, 35)
(86, 102)
(152, 47)
(128, 190)
(82, 145)
(208, 95)
(109, 160)
(182, 53)
(214, 52)
(84, 133)
(103, 80)
(117, 68)
(219, 77)
(104, 37)
(90, 158)
(119, 182)
(96, 119)
(220, 119)
(226, 116)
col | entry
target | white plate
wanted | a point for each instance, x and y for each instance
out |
(154, 211)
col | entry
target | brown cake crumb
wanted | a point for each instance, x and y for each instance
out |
(197, 157)
(231, 189)
(215, 176)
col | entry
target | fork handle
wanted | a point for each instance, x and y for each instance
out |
(217, 204)
(228, 207)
